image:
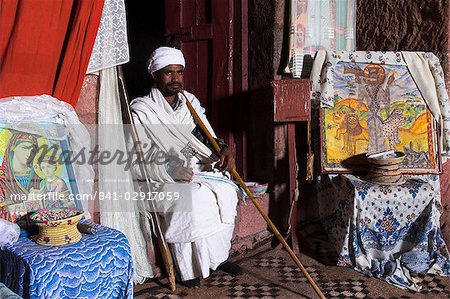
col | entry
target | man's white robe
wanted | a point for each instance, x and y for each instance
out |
(200, 230)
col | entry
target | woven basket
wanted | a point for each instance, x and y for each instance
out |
(58, 232)
(386, 170)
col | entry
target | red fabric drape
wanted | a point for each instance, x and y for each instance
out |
(45, 46)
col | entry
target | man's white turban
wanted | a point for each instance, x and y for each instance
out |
(162, 57)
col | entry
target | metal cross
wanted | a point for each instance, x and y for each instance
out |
(188, 152)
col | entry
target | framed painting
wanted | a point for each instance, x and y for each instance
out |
(35, 171)
(376, 107)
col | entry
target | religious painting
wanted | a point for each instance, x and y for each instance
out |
(377, 107)
(319, 24)
(34, 173)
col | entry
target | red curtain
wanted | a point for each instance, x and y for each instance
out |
(45, 46)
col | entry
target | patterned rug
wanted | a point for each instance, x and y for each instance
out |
(271, 273)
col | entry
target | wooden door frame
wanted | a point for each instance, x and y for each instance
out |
(240, 79)
(233, 28)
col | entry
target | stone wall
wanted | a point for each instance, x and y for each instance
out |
(445, 178)
(87, 110)
(267, 159)
(408, 25)
(261, 15)
(87, 105)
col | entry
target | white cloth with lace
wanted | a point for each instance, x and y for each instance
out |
(9, 232)
(111, 44)
(116, 180)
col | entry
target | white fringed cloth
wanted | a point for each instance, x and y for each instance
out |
(114, 180)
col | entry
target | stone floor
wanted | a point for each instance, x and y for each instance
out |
(271, 273)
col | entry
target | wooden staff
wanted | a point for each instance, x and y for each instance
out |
(163, 246)
(250, 195)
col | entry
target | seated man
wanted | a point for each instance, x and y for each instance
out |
(200, 235)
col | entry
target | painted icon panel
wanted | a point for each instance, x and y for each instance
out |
(377, 107)
(35, 173)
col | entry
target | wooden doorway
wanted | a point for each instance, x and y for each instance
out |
(212, 35)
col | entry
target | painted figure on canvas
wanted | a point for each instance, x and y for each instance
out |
(350, 130)
(31, 175)
(17, 175)
(52, 186)
(377, 107)
(374, 87)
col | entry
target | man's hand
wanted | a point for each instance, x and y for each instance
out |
(226, 160)
(182, 174)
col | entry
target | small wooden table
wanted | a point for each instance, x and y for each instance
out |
(292, 104)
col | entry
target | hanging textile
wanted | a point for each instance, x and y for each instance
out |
(121, 214)
(45, 46)
(110, 50)
(319, 24)
(111, 44)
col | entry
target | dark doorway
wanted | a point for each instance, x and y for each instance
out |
(213, 37)
(146, 21)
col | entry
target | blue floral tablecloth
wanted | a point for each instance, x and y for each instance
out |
(98, 266)
(384, 231)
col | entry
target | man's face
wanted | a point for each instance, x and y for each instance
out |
(169, 80)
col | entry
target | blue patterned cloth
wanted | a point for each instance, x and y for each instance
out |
(98, 266)
(384, 231)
